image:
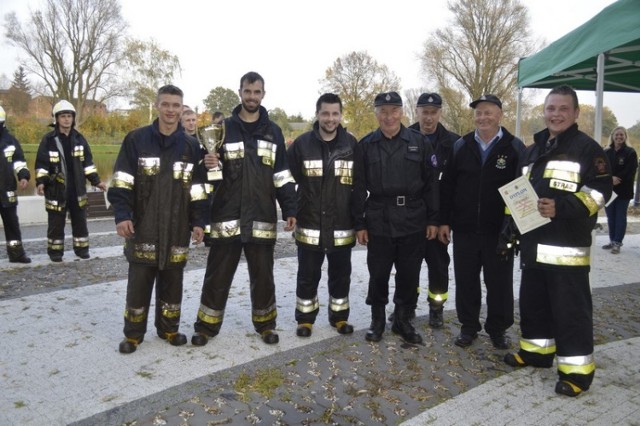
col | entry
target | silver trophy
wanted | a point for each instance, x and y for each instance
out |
(213, 137)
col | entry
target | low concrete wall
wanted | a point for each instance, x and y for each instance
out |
(31, 210)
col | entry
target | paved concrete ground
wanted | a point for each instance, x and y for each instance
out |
(60, 365)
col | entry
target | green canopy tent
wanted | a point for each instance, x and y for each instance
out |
(603, 54)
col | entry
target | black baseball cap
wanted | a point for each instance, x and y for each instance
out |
(430, 99)
(487, 98)
(388, 98)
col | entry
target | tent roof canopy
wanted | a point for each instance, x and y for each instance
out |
(572, 59)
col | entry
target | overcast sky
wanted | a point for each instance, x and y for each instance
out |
(291, 42)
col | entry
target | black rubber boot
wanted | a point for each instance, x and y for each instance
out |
(403, 327)
(436, 316)
(378, 322)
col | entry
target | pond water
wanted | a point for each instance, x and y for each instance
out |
(104, 163)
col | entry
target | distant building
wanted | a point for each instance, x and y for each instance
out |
(40, 106)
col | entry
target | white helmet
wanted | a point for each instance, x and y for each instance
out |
(62, 106)
(3, 115)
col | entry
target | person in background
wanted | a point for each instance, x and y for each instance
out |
(12, 164)
(189, 121)
(429, 113)
(624, 164)
(571, 176)
(481, 162)
(395, 208)
(217, 117)
(244, 215)
(63, 164)
(321, 162)
(158, 203)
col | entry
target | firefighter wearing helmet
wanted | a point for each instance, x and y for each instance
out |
(12, 164)
(63, 165)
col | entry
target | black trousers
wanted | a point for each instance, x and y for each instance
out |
(472, 254)
(309, 275)
(79, 230)
(12, 233)
(221, 267)
(438, 259)
(140, 283)
(558, 305)
(406, 254)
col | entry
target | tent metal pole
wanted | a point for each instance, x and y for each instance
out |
(518, 112)
(597, 128)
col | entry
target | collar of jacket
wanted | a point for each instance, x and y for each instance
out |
(543, 136)
(264, 127)
(166, 140)
(339, 131)
(612, 145)
(377, 135)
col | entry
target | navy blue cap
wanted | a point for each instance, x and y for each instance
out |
(487, 98)
(388, 98)
(430, 99)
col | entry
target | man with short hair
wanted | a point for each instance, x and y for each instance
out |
(12, 164)
(217, 117)
(159, 202)
(189, 121)
(244, 215)
(480, 162)
(429, 112)
(321, 162)
(571, 175)
(395, 208)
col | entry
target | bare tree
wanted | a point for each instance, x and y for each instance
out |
(410, 99)
(148, 67)
(478, 52)
(73, 47)
(357, 78)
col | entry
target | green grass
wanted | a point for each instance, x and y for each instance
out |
(31, 148)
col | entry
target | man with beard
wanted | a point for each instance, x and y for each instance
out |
(244, 215)
(321, 161)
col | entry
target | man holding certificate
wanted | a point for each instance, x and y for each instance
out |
(481, 162)
(571, 175)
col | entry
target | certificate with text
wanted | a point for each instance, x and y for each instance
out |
(522, 201)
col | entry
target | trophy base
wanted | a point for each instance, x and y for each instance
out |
(214, 174)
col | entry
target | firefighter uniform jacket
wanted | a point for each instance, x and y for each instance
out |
(154, 185)
(624, 164)
(402, 185)
(255, 173)
(324, 174)
(576, 174)
(442, 142)
(12, 163)
(52, 169)
(469, 197)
